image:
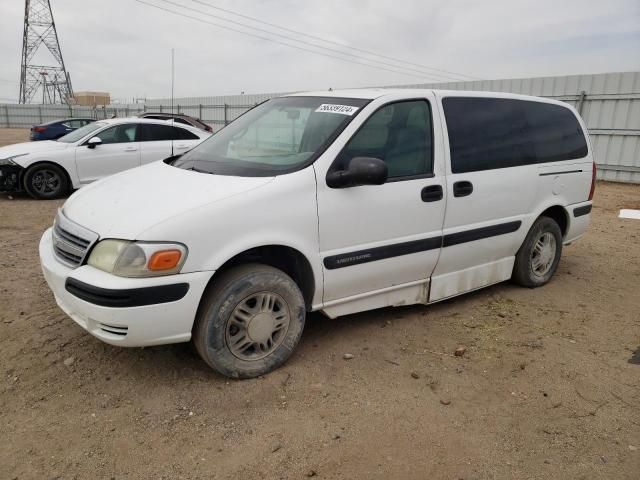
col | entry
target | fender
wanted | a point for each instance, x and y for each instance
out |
(248, 242)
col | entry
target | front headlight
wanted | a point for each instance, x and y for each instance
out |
(138, 259)
(4, 162)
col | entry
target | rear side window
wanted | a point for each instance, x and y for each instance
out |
(186, 134)
(154, 133)
(490, 133)
(555, 131)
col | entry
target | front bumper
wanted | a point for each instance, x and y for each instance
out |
(143, 324)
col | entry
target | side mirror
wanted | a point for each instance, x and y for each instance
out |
(361, 171)
(94, 142)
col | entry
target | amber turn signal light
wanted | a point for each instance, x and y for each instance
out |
(164, 260)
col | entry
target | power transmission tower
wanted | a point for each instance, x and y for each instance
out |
(52, 78)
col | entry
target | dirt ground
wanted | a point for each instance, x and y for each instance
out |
(548, 386)
(13, 135)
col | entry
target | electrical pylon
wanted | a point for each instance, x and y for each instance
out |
(52, 78)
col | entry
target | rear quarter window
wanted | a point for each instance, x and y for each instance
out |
(491, 133)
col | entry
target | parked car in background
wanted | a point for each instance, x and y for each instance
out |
(178, 118)
(57, 128)
(50, 169)
(336, 202)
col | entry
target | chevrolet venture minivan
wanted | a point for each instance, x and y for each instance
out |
(336, 202)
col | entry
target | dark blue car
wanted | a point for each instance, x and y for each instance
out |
(57, 128)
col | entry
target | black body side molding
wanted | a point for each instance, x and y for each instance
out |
(380, 253)
(580, 211)
(398, 249)
(480, 233)
(132, 297)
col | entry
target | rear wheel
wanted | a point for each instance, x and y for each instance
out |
(538, 257)
(46, 181)
(250, 321)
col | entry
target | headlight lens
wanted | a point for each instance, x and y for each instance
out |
(138, 259)
(9, 160)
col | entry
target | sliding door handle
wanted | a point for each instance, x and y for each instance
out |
(462, 189)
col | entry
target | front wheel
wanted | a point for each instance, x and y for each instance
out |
(538, 257)
(46, 181)
(250, 320)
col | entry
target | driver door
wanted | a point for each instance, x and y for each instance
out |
(119, 150)
(380, 243)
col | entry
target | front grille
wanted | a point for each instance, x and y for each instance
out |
(71, 242)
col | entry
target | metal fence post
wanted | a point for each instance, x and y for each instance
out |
(178, 112)
(40, 113)
(200, 111)
(225, 114)
(6, 114)
(160, 108)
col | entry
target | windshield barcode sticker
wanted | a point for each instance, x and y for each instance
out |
(341, 109)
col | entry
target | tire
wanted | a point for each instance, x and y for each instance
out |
(538, 257)
(246, 306)
(46, 181)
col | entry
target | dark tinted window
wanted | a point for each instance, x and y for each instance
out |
(119, 134)
(186, 134)
(488, 133)
(555, 131)
(398, 133)
(153, 133)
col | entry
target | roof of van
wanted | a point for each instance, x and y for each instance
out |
(373, 93)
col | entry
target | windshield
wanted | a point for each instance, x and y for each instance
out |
(81, 132)
(279, 136)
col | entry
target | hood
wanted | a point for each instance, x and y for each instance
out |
(128, 203)
(31, 148)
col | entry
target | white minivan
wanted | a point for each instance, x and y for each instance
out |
(336, 202)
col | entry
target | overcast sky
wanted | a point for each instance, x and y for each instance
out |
(123, 46)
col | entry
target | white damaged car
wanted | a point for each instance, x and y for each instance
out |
(50, 169)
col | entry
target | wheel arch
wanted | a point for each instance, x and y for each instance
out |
(560, 215)
(288, 259)
(37, 163)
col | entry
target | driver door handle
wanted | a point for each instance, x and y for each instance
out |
(432, 193)
(130, 149)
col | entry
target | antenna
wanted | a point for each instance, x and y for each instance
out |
(173, 78)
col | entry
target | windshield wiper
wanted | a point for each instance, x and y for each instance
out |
(200, 171)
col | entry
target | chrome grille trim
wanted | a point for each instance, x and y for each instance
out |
(71, 242)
